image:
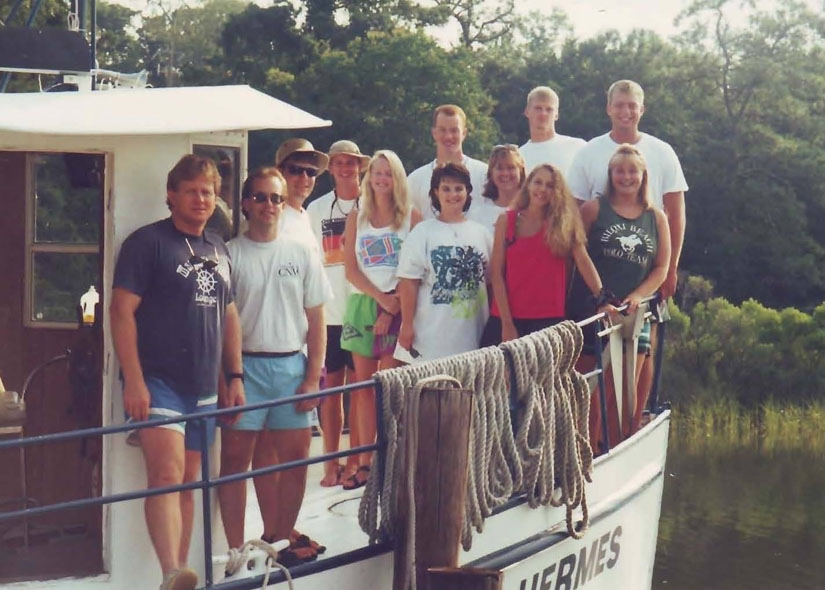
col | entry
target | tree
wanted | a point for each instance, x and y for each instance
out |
(386, 87)
(480, 21)
(118, 47)
(182, 45)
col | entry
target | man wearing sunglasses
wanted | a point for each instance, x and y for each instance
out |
(300, 163)
(449, 128)
(545, 145)
(174, 325)
(280, 290)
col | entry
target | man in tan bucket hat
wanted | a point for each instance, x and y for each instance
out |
(327, 216)
(300, 163)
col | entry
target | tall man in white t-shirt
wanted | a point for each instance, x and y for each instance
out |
(545, 145)
(666, 182)
(449, 130)
(280, 289)
(328, 216)
(300, 163)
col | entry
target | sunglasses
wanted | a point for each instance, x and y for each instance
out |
(510, 147)
(294, 170)
(199, 262)
(273, 198)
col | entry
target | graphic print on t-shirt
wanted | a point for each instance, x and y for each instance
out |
(380, 250)
(627, 241)
(459, 278)
(332, 233)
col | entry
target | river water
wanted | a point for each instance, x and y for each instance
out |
(741, 516)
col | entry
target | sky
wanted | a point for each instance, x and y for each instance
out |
(589, 17)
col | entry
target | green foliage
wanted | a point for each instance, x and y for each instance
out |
(118, 47)
(747, 354)
(402, 77)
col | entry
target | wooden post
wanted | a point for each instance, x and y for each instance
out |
(444, 423)
(463, 579)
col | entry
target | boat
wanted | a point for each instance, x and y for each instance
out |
(81, 171)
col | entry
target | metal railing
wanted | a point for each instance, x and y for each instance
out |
(207, 482)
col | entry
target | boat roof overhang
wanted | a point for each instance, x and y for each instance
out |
(150, 111)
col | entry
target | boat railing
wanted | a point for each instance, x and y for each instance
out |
(207, 482)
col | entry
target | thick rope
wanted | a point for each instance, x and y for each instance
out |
(239, 557)
(549, 447)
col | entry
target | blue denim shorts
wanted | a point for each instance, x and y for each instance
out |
(165, 402)
(267, 379)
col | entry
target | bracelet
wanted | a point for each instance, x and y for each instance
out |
(231, 376)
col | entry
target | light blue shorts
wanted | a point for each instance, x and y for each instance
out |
(165, 402)
(267, 379)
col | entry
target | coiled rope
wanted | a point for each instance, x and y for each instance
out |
(238, 558)
(549, 446)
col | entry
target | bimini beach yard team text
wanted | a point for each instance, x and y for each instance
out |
(385, 269)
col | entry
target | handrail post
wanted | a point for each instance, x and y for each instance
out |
(653, 401)
(206, 504)
(379, 428)
(597, 350)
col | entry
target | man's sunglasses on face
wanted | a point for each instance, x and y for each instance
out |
(273, 198)
(294, 170)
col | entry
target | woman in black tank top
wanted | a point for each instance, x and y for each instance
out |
(629, 242)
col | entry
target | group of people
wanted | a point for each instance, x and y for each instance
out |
(385, 269)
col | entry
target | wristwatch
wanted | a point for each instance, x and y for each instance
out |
(231, 376)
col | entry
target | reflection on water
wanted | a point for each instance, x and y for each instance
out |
(741, 515)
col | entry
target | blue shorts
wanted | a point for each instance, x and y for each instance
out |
(267, 379)
(165, 402)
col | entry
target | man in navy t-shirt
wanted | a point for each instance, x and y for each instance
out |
(174, 325)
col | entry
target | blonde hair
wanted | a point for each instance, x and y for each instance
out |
(628, 87)
(628, 151)
(564, 229)
(400, 197)
(542, 93)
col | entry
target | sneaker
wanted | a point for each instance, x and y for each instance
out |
(180, 579)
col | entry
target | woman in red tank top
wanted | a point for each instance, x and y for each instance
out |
(532, 250)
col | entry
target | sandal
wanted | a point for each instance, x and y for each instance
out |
(356, 480)
(297, 539)
(292, 556)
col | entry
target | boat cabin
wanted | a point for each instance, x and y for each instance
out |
(80, 171)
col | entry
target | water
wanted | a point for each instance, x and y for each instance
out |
(741, 516)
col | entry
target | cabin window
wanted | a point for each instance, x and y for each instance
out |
(63, 235)
(226, 218)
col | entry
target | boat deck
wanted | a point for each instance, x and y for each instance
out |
(328, 515)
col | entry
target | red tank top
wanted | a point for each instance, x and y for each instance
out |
(536, 279)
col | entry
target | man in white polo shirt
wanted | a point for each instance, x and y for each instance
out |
(545, 145)
(449, 130)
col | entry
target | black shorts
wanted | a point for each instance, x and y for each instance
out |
(336, 358)
(492, 331)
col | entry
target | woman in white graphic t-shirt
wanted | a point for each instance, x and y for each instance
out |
(372, 241)
(443, 274)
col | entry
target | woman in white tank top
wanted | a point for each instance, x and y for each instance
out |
(372, 242)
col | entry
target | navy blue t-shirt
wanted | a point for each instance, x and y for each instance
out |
(180, 319)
